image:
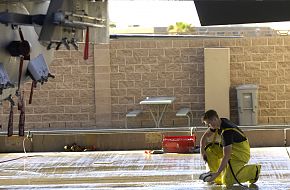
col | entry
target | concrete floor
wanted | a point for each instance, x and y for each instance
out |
(129, 170)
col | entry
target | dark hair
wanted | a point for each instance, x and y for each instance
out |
(210, 114)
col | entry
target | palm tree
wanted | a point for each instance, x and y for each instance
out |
(181, 28)
(112, 25)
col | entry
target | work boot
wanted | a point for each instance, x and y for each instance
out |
(253, 186)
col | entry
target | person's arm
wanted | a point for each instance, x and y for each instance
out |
(203, 141)
(227, 155)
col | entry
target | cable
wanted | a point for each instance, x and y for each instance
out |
(14, 159)
(23, 144)
(287, 152)
(26, 156)
(236, 177)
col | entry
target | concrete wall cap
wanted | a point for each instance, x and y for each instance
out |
(247, 87)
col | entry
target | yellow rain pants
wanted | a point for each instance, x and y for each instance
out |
(239, 158)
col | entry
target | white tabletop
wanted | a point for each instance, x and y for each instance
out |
(158, 100)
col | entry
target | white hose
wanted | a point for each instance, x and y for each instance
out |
(23, 144)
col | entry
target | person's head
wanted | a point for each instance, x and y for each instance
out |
(211, 119)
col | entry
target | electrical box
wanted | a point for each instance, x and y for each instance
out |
(4, 79)
(247, 104)
(38, 69)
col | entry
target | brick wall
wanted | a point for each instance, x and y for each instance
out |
(98, 92)
(150, 67)
(64, 102)
(156, 67)
(264, 61)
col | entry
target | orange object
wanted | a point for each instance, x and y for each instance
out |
(178, 144)
(148, 151)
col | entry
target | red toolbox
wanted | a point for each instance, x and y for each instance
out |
(178, 144)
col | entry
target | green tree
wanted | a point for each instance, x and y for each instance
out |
(112, 25)
(181, 28)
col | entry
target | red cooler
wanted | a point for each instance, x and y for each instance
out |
(178, 144)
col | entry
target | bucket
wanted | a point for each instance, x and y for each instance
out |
(178, 144)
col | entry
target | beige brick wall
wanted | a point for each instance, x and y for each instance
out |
(175, 67)
(263, 61)
(64, 102)
(98, 92)
(156, 67)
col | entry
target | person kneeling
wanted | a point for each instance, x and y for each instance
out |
(227, 160)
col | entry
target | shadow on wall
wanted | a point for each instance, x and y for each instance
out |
(234, 114)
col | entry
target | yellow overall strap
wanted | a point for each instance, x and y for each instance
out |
(214, 137)
(229, 162)
(234, 129)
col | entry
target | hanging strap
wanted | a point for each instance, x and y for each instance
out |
(24, 55)
(21, 107)
(33, 85)
(86, 49)
(1, 116)
(20, 71)
(10, 121)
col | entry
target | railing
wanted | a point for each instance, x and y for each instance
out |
(134, 130)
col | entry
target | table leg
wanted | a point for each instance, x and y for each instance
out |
(153, 116)
(157, 114)
(160, 115)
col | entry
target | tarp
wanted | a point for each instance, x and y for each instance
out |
(212, 12)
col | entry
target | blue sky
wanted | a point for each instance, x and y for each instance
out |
(150, 13)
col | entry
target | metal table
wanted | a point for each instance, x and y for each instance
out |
(158, 106)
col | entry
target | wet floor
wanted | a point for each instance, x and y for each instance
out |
(129, 170)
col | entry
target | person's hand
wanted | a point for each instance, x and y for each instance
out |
(213, 176)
